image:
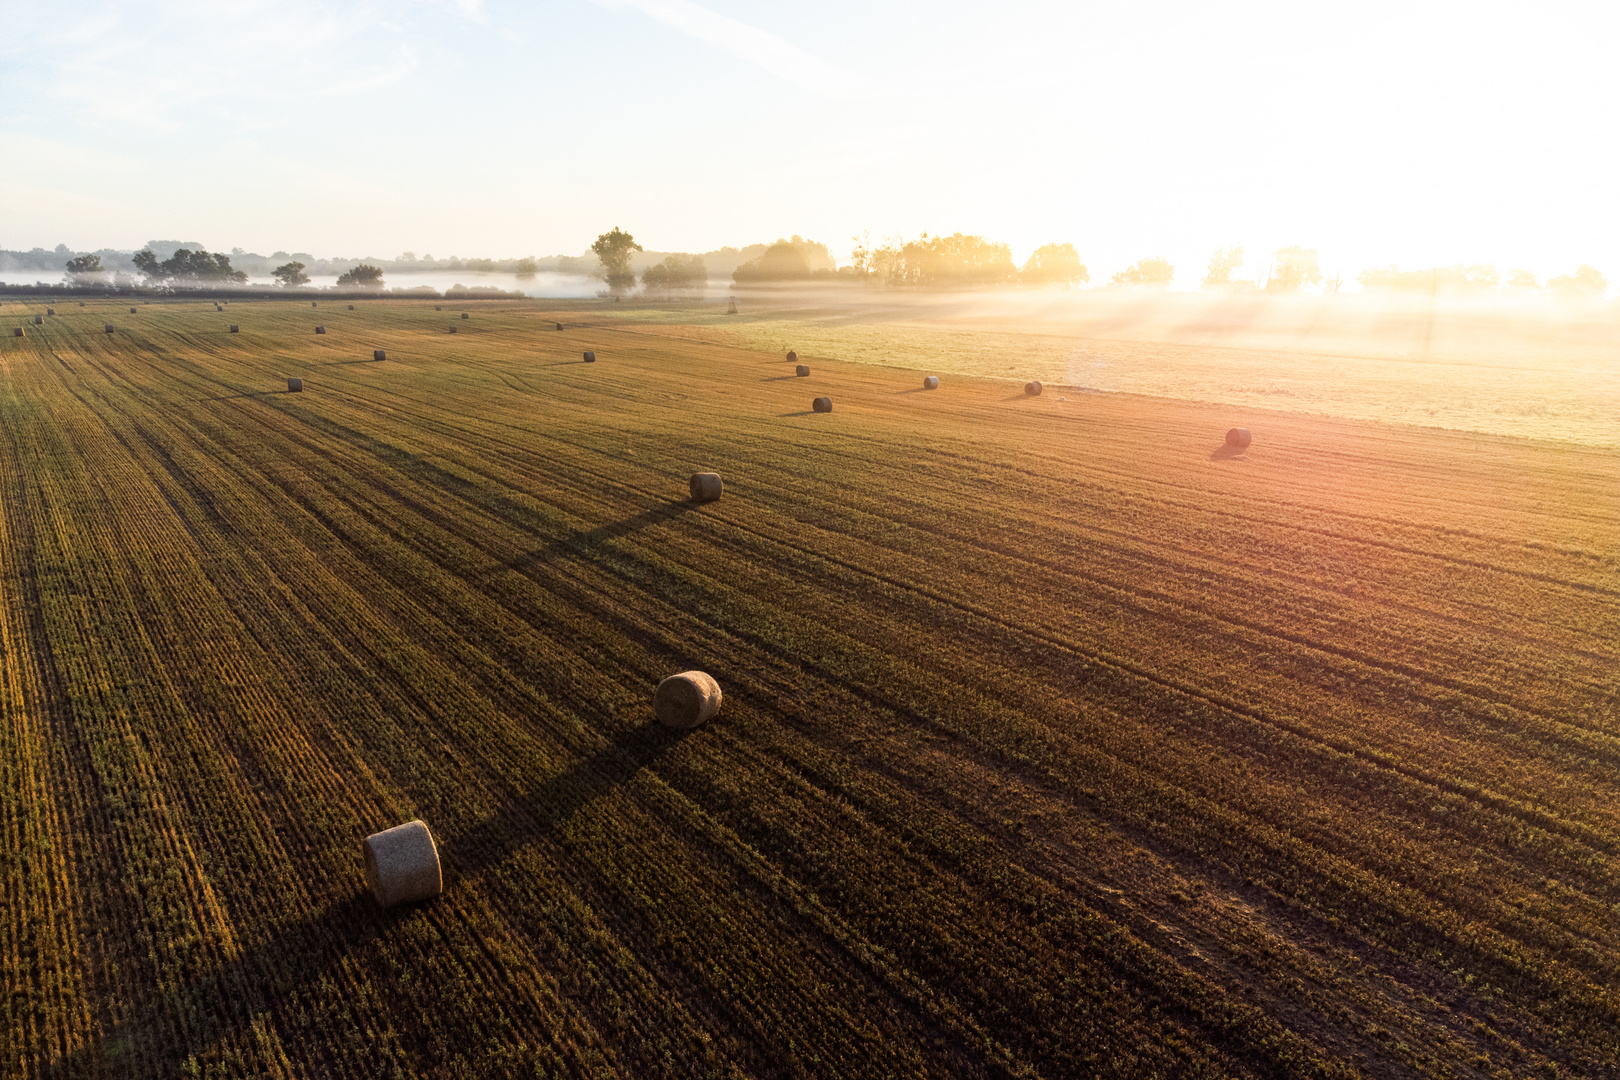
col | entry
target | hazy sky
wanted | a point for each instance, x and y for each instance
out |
(1375, 132)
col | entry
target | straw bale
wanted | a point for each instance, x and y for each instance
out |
(320, 329)
(686, 700)
(132, 311)
(1239, 437)
(107, 327)
(705, 486)
(39, 320)
(801, 371)
(235, 329)
(1032, 388)
(351, 307)
(822, 404)
(792, 357)
(18, 332)
(295, 386)
(559, 326)
(378, 354)
(590, 357)
(402, 864)
(50, 311)
(452, 329)
(464, 315)
(312, 303)
(931, 383)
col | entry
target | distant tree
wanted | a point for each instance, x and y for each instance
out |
(782, 261)
(1054, 264)
(364, 276)
(1292, 269)
(1155, 272)
(1586, 281)
(675, 274)
(1222, 264)
(1522, 279)
(406, 257)
(526, 268)
(188, 269)
(1459, 278)
(613, 250)
(290, 275)
(84, 266)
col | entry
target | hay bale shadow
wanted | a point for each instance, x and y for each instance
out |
(801, 412)
(1225, 452)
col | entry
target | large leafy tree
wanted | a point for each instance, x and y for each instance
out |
(290, 275)
(613, 249)
(1054, 264)
(364, 276)
(188, 269)
(675, 274)
(1222, 265)
(1292, 268)
(1151, 273)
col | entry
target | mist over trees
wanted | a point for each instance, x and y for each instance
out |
(1222, 265)
(613, 251)
(1054, 264)
(290, 275)
(188, 269)
(1292, 268)
(364, 276)
(675, 275)
(1154, 272)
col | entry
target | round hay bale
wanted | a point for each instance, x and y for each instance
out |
(18, 332)
(559, 326)
(312, 303)
(792, 357)
(107, 327)
(464, 315)
(452, 329)
(351, 307)
(39, 320)
(801, 371)
(438, 307)
(686, 700)
(50, 311)
(1239, 437)
(378, 354)
(320, 329)
(1032, 388)
(132, 311)
(81, 303)
(822, 404)
(705, 486)
(590, 356)
(402, 864)
(295, 386)
(235, 329)
(931, 383)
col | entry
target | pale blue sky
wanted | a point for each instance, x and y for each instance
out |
(1376, 132)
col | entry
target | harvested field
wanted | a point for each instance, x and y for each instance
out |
(1057, 740)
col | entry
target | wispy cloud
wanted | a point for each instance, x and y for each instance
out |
(759, 47)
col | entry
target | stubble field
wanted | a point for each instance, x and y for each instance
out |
(1056, 741)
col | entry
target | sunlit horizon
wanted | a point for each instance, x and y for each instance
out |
(1383, 136)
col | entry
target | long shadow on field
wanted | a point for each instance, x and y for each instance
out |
(553, 803)
(585, 543)
(779, 378)
(250, 393)
(1224, 452)
(160, 1031)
